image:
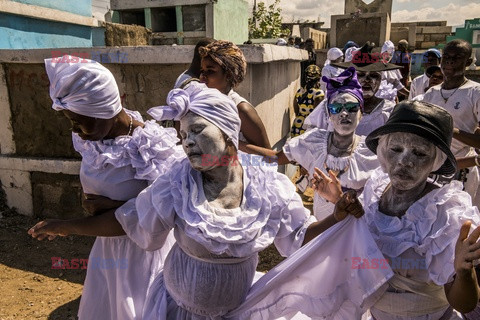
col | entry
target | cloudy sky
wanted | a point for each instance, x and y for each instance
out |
(454, 12)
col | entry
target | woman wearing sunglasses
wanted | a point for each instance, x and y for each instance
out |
(340, 152)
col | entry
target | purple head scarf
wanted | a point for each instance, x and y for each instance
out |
(345, 82)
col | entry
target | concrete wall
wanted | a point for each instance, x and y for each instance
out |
(26, 24)
(373, 27)
(83, 7)
(422, 34)
(38, 166)
(230, 20)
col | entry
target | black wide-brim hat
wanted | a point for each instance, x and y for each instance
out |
(424, 119)
(364, 60)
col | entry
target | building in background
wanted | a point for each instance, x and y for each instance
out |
(31, 24)
(185, 21)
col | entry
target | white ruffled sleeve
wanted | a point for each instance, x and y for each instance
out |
(148, 218)
(294, 217)
(305, 149)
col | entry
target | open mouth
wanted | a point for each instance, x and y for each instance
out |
(345, 121)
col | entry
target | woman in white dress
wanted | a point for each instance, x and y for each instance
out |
(223, 213)
(415, 223)
(121, 156)
(340, 150)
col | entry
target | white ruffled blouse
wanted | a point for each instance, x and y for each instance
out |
(310, 151)
(222, 243)
(430, 227)
(128, 162)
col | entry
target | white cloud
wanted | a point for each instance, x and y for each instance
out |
(455, 13)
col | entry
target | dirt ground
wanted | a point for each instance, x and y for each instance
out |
(32, 289)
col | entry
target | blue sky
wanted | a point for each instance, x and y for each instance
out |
(454, 12)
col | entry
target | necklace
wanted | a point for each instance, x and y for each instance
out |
(130, 126)
(446, 99)
(335, 150)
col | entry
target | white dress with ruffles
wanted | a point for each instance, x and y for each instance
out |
(119, 272)
(209, 271)
(420, 247)
(310, 150)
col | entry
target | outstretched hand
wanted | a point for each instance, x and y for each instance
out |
(467, 249)
(348, 204)
(49, 229)
(327, 187)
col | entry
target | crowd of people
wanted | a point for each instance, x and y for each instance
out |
(393, 163)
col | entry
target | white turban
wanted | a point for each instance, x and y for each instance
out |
(349, 53)
(333, 54)
(388, 46)
(208, 103)
(83, 86)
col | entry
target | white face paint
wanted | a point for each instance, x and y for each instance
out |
(407, 158)
(370, 82)
(345, 123)
(202, 141)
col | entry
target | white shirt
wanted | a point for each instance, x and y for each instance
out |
(464, 105)
(418, 86)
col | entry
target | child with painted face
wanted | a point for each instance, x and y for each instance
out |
(121, 156)
(415, 223)
(340, 151)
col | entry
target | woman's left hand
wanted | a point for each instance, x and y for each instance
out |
(348, 204)
(467, 249)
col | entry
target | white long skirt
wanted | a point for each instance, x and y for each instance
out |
(318, 281)
(119, 274)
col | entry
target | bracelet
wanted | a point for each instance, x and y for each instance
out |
(477, 163)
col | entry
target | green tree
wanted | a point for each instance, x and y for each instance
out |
(266, 22)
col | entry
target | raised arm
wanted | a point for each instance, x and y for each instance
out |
(463, 293)
(252, 126)
(345, 203)
(471, 139)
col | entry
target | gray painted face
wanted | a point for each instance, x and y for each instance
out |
(201, 139)
(407, 158)
(345, 123)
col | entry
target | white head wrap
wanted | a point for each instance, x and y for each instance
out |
(440, 156)
(84, 87)
(349, 53)
(333, 54)
(208, 103)
(388, 46)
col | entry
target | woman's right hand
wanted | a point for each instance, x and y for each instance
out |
(50, 229)
(94, 204)
(328, 187)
